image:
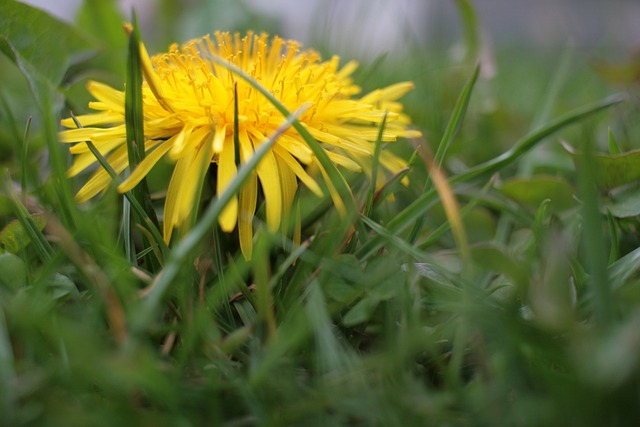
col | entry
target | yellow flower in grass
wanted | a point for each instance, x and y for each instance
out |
(188, 107)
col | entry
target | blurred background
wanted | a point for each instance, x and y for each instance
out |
(568, 52)
(372, 27)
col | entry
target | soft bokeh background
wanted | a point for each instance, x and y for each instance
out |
(375, 26)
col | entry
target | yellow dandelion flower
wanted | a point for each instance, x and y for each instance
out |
(188, 107)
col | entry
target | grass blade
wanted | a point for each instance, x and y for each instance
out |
(457, 117)
(374, 169)
(525, 144)
(402, 220)
(134, 122)
(41, 244)
(455, 122)
(593, 241)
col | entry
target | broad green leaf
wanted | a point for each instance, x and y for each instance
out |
(496, 258)
(625, 204)
(14, 272)
(362, 311)
(387, 285)
(48, 45)
(62, 287)
(532, 191)
(623, 269)
(614, 170)
(13, 237)
(43, 48)
(341, 291)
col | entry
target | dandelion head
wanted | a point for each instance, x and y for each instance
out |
(189, 105)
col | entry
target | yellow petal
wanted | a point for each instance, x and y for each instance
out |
(226, 172)
(185, 186)
(92, 134)
(77, 135)
(103, 146)
(93, 119)
(180, 141)
(347, 70)
(269, 176)
(218, 139)
(192, 181)
(297, 148)
(288, 187)
(343, 161)
(171, 206)
(154, 82)
(295, 167)
(248, 198)
(390, 93)
(114, 99)
(335, 196)
(101, 179)
(145, 166)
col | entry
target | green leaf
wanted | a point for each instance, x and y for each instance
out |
(13, 237)
(496, 258)
(43, 48)
(624, 204)
(14, 272)
(362, 311)
(612, 170)
(28, 223)
(623, 269)
(62, 287)
(531, 191)
(614, 148)
(47, 45)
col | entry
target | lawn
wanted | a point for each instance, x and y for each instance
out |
(445, 235)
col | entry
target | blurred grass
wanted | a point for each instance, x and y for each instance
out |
(538, 326)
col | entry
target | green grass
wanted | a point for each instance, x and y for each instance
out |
(386, 317)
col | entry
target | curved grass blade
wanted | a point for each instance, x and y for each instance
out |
(470, 25)
(24, 154)
(525, 144)
(593, 240)
(457, 117)
(374, 169)
(403, 219)
(31, 228)
(455, 122)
